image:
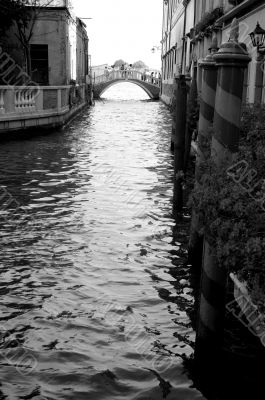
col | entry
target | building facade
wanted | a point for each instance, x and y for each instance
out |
(46, 82)
(172, 44)
(58, 46)
(188, 29)
(98, 70)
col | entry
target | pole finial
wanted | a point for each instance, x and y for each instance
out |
(234, 32)
(214, 44)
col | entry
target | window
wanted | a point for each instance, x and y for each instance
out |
(40, 63)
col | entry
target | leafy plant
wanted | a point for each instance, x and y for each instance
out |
(192, 120)
(230, 204)
(208, 19)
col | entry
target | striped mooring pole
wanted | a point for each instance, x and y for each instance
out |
(188, 80)
(179, 121)
(173, 107)
(192, 107)
(199, 79)
(207, 102)
(232, 60)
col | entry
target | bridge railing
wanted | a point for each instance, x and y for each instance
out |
(128, 75)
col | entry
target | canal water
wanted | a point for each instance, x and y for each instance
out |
(96, 300)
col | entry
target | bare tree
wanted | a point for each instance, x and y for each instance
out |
(10, 10)
(22, 14)
(26, 22)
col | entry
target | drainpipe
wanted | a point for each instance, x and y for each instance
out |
(166, 42)
(194, 23)
(167, 26)
(171, 14)
(162, 50)
(183, 40)
(195, 10)
(170, 54)
(163, 19)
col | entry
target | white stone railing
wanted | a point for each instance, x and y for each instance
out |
(2, 104)
(128, 75)
(27, 101)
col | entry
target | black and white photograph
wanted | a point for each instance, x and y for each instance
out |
(132, 199)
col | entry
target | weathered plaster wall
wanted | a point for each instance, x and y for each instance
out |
(51, 29)
(247, 25)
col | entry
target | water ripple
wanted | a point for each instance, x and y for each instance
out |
(95, 296)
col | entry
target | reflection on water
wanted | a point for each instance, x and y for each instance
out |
(95, 297)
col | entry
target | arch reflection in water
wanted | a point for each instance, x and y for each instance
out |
(125, 91)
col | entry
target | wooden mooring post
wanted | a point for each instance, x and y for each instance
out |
(232, 60)
(173, 108)
(179, 123)
(207, 102)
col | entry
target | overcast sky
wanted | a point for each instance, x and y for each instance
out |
(126, 29)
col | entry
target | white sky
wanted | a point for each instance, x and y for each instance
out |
(126, 29)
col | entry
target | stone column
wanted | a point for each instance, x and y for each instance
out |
(9, 98)
(59, 99)
(232, 60)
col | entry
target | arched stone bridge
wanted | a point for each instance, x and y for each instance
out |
(103, 82)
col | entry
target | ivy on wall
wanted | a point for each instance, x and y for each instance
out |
(231, 202)
(208, 19)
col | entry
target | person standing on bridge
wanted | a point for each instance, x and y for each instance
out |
(106, 72)
(126, 71)
(130, 71)
(122, 71)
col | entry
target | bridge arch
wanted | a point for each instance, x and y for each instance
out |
(117, 81)
(149, 84)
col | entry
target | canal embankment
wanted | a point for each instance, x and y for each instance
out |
(30, 108)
